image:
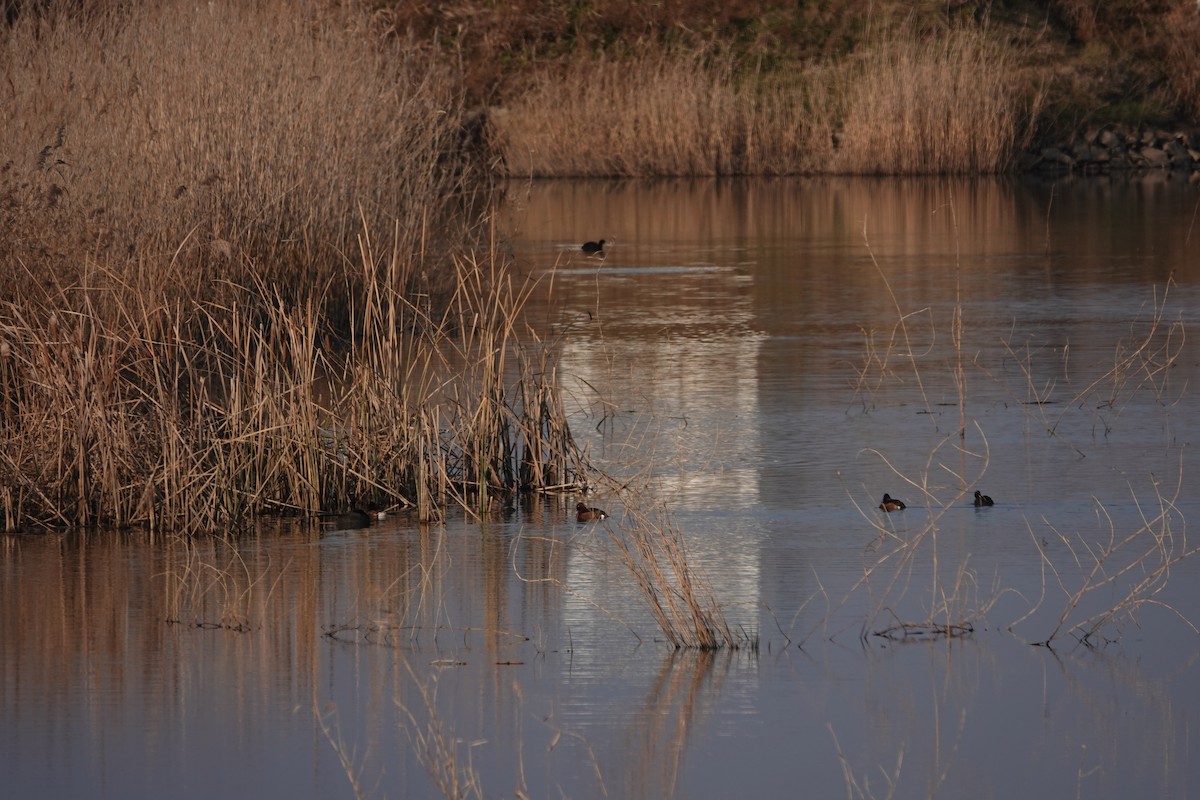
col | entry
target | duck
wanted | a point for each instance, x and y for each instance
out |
(353, 519)
(585, 514)
(983, 500)
(591, 248)
(357, 516)
(892, 504)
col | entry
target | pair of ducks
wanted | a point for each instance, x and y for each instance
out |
(892, 504)
(359, 518)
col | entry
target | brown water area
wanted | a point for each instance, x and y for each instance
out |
(765, 359)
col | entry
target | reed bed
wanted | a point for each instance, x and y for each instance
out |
(659, 114)
(199, 419)
(909, 103)
(186, 146)
(242, 273)
(933, 105)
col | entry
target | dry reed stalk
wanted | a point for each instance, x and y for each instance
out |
(659, 113)
(953, 605)
(435, 745)
(945, 105)
(134, 139)
(209, 584)
(861, 788)
(1141, 361)
(201, 418)
(351, 763)
(1134, 567)
(680, 600)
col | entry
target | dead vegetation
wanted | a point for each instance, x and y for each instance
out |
(908, 104)
(225, 298)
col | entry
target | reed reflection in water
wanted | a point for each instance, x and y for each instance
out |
(738, 352)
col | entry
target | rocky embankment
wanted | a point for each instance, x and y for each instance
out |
(1116, 148)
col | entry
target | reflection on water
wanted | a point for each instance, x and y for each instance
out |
(770, 356)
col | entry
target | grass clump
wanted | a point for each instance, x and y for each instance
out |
(200, 418)
(944, 105)
(658, 114)
(177, 144)
(681, 602)
(241, 273)
(912, 103)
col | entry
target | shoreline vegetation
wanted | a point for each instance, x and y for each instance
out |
(249, 262)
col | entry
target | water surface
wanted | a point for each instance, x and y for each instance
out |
(764, 358)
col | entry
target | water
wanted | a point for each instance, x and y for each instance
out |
(738, 353)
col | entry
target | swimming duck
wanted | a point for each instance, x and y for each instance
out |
(983, 499)
(585, 514)
(892, 504)
(348, 520)
(593, 247)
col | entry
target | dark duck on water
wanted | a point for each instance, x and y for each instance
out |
(585, 514)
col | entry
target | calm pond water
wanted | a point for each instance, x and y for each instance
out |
(764, 359)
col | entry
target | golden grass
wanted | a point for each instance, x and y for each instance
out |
(911, 103)
(176, 144)
(237, 276)
(949, 104)
(655, 551)
(659, 114)
(201, 418)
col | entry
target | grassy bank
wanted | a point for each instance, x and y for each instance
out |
(749, 87)
(905, 106)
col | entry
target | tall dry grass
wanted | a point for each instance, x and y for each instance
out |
(659, 113)
(200, 418)
(944, 104)
(222, 228)
(655, 552)
(175, 143)
(910, 103)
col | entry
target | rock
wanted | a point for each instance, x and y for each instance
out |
(1053, 154)
(1121, 160)
(1026, 161)
(1110, 139)
(1177, 153)
(1117, 146)
(1153, 156)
